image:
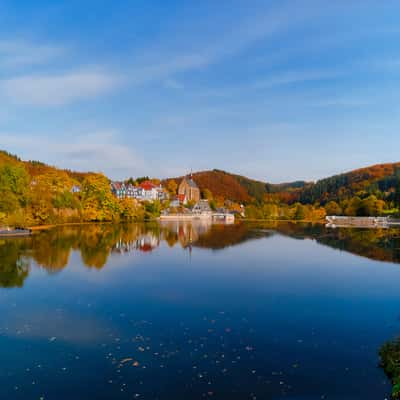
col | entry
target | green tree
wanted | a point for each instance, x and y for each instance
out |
(333, 208)
(300, 212)
(397, 194)
(353, 207)
(152, 209)
(14, 187)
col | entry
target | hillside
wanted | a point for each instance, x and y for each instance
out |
(377, 179)
(239, 188)
(381, 180)
(220, 183)
(37, 168)
(7, 158)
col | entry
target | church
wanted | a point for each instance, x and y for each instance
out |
(189, 189)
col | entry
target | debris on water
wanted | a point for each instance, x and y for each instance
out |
(125, 360)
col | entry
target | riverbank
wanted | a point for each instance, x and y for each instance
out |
(50, 226)
(293, 221)
(251, 220)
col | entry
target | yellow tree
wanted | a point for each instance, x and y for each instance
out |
(172, 186)
(98, 203)
(128, 209)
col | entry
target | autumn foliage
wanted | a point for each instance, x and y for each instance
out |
(34, 193)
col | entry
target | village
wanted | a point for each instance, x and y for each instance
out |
(186, 204)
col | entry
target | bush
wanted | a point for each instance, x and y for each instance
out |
(390, 362)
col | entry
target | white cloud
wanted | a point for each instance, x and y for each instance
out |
(100, 151)
(57, 89)
(293, 77)
(17, 53)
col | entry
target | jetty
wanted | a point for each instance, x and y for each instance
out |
(8, 232)
(334, 221)
(214, 217)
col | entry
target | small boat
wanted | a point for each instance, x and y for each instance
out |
(8, 232)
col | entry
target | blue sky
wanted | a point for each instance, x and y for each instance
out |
(275, 90)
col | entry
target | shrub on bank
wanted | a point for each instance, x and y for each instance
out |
(390, 362)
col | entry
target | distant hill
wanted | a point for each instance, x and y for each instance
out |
(382, 178)
(236, 187)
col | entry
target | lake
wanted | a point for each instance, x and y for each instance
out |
(198, 311)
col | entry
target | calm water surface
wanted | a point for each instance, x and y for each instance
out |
(192, 311)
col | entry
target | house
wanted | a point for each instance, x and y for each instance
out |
(202, 207)
(152, 192)
(118, 189)
(174, 203)
(189, 189)
(122, 190)
(75, 189)
(145, 191)
(178, 201)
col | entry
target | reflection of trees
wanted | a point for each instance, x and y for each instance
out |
(14, 267)
(221, 236)
(95, 243)
(377, 244)
(51, 249)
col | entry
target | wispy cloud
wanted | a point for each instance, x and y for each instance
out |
(293, 77)
(232, 40)
(18, 53)
(100, 151)
(57, 89)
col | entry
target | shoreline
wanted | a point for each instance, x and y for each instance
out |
(50, 226)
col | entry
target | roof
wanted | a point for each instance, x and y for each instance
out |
(191, 182)
(147, 185)
(181, 197)
(116, 185)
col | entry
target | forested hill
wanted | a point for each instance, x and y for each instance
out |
(38, 168)
(39, 190)
(238, 188)
(381, 180)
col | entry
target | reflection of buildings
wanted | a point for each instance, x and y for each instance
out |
(146, 242)
(186, 232)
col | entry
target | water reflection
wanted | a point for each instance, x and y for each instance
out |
(51, 249)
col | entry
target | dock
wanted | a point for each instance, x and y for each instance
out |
(334, 221)
(215, 217)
